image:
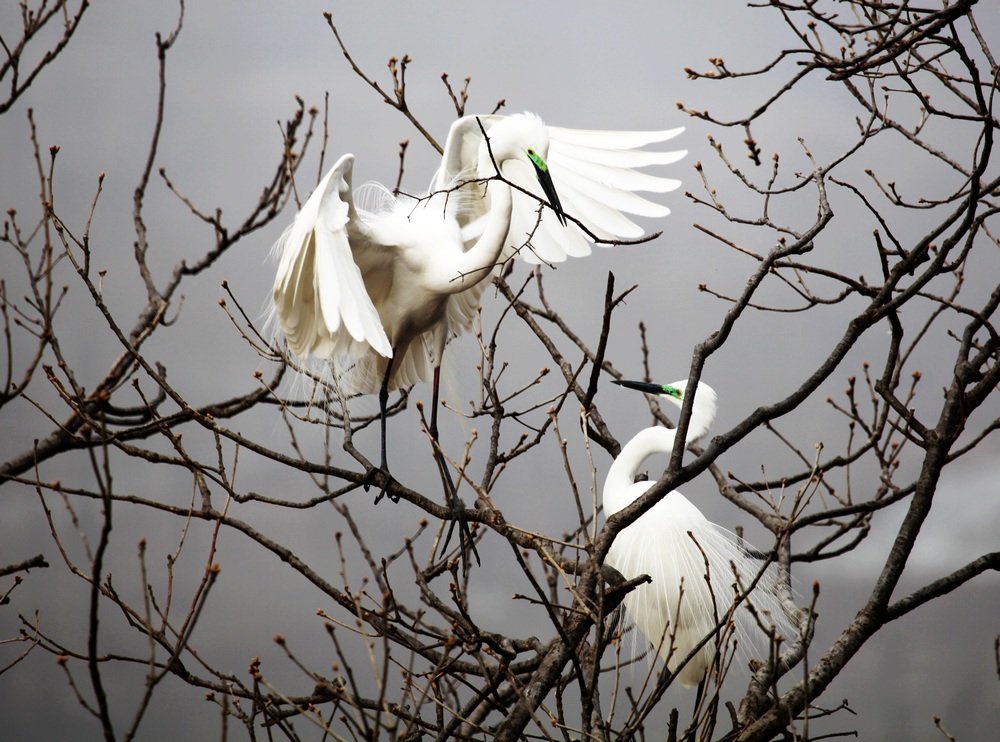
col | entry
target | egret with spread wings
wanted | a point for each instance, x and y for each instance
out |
(380, 294)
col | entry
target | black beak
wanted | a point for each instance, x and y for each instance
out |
(550, 193)
(642, 386)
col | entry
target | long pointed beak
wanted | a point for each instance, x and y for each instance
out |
(545, 180)
(642, 386)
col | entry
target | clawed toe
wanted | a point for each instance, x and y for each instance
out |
(465, 541)
(371, 475)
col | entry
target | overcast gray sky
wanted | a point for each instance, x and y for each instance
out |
(233, 76)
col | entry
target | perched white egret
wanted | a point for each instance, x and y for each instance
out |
(380, 294)
(693, 563)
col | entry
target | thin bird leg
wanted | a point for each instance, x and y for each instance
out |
(457, 506)
(434, 405)
(466, 543)
(383, 401)
(698, 697)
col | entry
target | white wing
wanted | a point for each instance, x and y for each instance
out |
(320, 298)
(676, 545)
(595, 176)
(673, 618)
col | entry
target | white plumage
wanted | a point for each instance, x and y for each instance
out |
(692, 562)
(360, 287)
(380, 294)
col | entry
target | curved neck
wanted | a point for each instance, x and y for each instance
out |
(699, 422)
(476, 263)
(621, 476)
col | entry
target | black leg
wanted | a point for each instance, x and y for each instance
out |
(383, 401)
(456, 505)
(699, 694)
(434, 402)
(697, 705)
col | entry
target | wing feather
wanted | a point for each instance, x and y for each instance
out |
(612, 179)
(594, 172)
(319, 293)
(617, 157)
(612, 140)
(602, 219)
(691, 562)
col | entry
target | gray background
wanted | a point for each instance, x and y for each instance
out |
(231, 77)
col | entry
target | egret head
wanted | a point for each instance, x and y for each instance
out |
(523, 137)
(706, 402)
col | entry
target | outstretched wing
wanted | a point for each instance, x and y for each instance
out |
(594, 172)
(320, 298)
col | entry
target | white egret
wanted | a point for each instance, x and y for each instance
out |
(693, 563)
(380, 294)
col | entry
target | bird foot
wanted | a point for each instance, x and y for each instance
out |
(465, 541)
(370, 478)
